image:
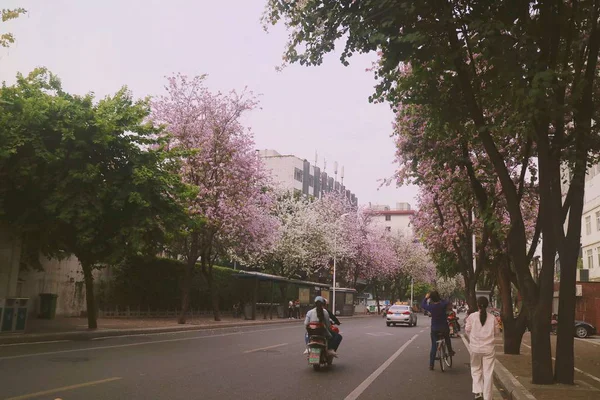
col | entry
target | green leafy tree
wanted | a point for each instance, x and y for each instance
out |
(82, 177)
(6, 39)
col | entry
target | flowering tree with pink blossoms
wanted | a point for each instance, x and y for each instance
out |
(230, 208)
(456, 183)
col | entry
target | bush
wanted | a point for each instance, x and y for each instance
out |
(155, 283)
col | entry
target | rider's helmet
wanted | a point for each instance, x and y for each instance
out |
(320, 299)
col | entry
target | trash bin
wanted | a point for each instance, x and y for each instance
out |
(48, 305)
(13, 314)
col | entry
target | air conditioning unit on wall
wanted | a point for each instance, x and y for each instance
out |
(578, 290)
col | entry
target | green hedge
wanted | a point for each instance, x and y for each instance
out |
(156, 283)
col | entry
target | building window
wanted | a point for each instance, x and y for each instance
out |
(598, 220)
(388, 217)
(598, 252)
(388, 228)
(298, 174)
(588, 225)
(590, 258)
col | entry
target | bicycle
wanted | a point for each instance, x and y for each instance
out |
(442, 352)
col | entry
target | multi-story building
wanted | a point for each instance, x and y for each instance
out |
(397, 220)
(590, 226)
(293, 173)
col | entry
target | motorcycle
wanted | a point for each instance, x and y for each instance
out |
(318, 355)
(453, 324)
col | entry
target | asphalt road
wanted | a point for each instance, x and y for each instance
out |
(376, 362)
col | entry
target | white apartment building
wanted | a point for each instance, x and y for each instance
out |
(293, 173)
(396, 221)
(590, 225)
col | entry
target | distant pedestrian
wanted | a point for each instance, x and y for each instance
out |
(482, 327)
(291, 309)
(297, 306)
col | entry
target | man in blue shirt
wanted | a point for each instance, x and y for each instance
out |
(439, 323)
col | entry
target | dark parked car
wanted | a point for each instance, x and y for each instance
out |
(583, 329)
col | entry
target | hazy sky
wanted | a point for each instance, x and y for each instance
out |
(99, 46)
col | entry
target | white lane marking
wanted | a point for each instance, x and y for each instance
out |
(576, 369)
(422, 330)
(265, 348)
(116, 346)
(371, 378)
(380, 334)
(588, 341)
(62, 389)
(22, 344)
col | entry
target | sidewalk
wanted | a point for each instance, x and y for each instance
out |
(65, 328)
(587, 372)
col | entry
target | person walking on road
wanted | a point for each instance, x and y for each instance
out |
(439, 323)
(482, 327)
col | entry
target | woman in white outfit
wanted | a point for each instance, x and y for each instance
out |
(482, 327)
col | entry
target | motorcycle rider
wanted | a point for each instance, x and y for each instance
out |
(331, 315)
(320, 314)
(453, 321)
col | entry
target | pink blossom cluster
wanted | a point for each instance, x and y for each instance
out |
(219, 162)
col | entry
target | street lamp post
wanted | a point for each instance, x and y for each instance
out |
(335, 263)
(412, 286)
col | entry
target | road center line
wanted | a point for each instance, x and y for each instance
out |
(265, 348)
(117, 346)
(62, 389)
(371, 378)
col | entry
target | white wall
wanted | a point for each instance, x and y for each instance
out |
(282, 169)
(398, 224)
(61, 277)
(590, 239)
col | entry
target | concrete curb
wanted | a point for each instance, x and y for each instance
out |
(505, 379)
(511, 386)
(9, 338)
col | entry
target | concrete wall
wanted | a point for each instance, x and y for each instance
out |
(282, 169)
(61, 277)
(590, 237)
(10, 257)
(399, 224)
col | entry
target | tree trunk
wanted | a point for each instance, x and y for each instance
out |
(377, 300)
(513, 330)
(470, 294)
(89, 295)
(540, 313)
(541, 352)
(565, 358)
(186, 288)
(214, 293)
(254, 298)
